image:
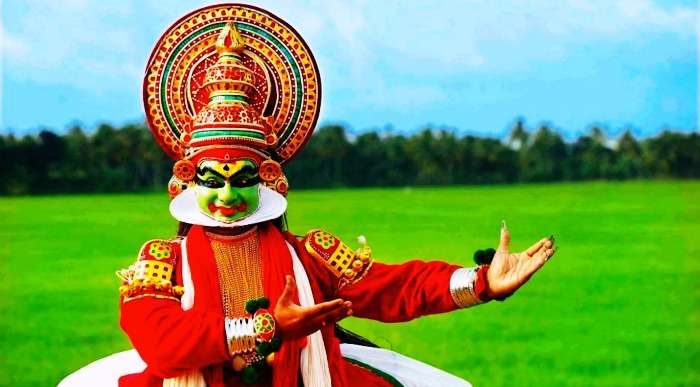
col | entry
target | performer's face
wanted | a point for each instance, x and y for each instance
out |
(227, 191)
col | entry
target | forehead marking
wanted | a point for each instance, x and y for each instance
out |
(226, 169)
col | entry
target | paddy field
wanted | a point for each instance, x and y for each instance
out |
(619, 305)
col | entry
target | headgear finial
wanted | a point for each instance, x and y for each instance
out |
(230, 40)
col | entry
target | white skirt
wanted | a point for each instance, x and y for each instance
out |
(410, 373)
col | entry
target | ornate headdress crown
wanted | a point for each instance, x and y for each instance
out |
(231, 81)
(228, 118)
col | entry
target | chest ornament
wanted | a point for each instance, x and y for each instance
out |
(251, 340)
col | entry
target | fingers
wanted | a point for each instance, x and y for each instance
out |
(334, 315)
(544, 242)
(317, 316)
(505, 238)
(324, 307)
(525, 267)
(542, 256)
(549, 247)
(539, 258)
(290, 288)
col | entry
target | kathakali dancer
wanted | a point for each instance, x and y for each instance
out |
(232, 93)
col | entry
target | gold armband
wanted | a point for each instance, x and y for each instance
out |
(347, 265)
(151, 275)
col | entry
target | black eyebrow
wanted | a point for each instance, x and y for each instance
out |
(202, 171)
(246, 169)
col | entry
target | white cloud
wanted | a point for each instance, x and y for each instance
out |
(647, 13)
(10, 45)
(70, 42)
(448, 34)
(358, 44)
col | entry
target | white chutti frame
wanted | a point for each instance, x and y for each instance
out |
(186, 209)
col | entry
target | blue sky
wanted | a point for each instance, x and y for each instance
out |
(470, 65)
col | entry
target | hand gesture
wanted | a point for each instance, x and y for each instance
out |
(294, 321)
(509, 271)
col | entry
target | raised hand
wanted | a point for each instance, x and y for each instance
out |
(509, 271)
(294, 321)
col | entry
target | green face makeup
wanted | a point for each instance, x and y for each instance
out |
(227, 191)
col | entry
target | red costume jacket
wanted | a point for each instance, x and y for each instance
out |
(172, 341)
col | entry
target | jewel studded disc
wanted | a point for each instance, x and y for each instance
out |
(286, 78)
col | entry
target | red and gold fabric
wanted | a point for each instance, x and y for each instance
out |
(172, 340)
(383, 292)
(345, 264)
(152, 274)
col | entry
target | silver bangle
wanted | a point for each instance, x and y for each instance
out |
(240, 335)
(462, 287)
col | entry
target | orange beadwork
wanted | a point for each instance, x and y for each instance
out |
(176, 186)
(270, 170)
(239, 268)
(282, 186)
(184, 170)
(237, 363)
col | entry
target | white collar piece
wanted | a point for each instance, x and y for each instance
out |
(186, 209)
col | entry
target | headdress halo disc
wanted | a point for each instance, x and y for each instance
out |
(286, 78)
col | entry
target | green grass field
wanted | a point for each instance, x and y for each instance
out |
(618, 305)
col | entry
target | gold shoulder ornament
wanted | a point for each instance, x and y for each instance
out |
(152, 274)
(348, 265)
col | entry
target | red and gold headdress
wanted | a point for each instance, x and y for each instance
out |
(231, 81)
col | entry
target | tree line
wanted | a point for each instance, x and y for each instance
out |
(127, 158)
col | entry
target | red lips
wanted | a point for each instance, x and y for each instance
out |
(227, 211)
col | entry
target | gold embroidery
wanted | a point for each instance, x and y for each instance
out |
(239, 268)
(153, 271)
(151, 274)
(159, 250)
(348, 265)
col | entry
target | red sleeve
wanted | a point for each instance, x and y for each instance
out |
(394, 293)
(171, 340)
(388, 293)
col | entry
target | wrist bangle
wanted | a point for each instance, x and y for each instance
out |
(462, 287)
